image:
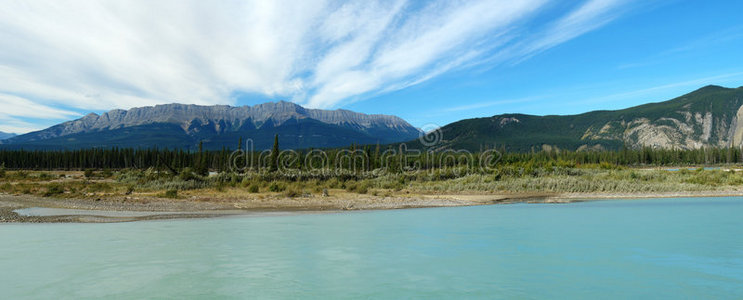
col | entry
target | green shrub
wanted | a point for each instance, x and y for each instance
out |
(130, 176)
(187, 174)
(276, 187)
(220, 187)
(172, 193)
(99, 187)
(362, 189)
(234, 178)
(333, 183)
(172, 183)
(53, 189)
(608, 166)
(292, 193)
(89, 173)
(107, 173)
(254, 188)
(350, 186)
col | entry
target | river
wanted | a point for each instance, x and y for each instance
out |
(653, 248)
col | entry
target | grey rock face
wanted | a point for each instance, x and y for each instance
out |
(223, 118)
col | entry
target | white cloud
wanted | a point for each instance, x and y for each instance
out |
(591, 15)
(17, 106)
(99, 55)
(428, 43)
(14, 107)
(586, 17)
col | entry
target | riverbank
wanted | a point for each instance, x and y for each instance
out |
(65, 210)
(157, 195)
(106, 210)
(60, 210)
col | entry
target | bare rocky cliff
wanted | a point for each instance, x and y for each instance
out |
(690, 131)
(705, 123)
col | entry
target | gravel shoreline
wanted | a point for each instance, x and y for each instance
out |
(195, 208)
(164, 209)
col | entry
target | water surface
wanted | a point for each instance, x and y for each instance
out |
(662, 248)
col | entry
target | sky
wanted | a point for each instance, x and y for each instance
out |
(429, 62)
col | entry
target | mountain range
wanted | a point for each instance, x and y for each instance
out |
(184, 126)
(5, 135)
(708, 117)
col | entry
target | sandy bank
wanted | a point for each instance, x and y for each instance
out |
(126, 210)
(104, 209)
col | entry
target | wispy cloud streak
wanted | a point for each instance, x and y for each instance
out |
(98, 55)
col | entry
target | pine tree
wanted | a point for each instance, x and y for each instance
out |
(375, 159)
(201, 166)
(275, 154)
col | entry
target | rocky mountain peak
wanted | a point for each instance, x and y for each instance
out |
(203, 121)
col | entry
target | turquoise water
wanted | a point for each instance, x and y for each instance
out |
(664, 248)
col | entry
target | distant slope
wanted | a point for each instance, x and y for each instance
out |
(183, 126)
(710, 116)
(4, 135)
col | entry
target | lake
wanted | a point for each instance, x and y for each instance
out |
(657, 248)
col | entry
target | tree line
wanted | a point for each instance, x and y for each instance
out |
(361, 158)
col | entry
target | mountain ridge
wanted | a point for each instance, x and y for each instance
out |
(217, 124)
(6, 135)
(711, 116)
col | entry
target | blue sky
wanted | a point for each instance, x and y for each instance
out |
(430, 62)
